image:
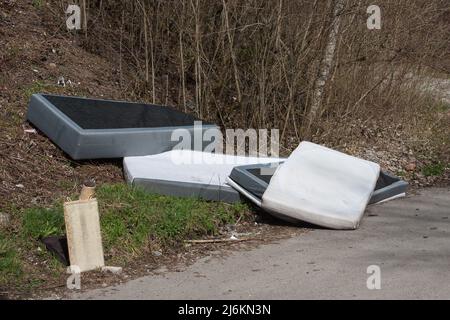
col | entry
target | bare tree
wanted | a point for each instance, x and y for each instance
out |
(326, 63)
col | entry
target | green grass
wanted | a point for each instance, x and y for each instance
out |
(37, 3)
(35, 87)
(43, 222)
(133, 217)
(436, 169)
(442, 106)
(10, 264)
(133, 223)
(133, 220)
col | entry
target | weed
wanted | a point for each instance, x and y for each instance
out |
(37, 3)
(131, 216)
(35, 87)
(10, 266)
(43, 222)
(435, 169)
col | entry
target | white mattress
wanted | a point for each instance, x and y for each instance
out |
(322, 186)
(187, 168)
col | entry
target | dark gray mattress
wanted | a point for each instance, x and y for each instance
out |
(256, 178)
(94, 128)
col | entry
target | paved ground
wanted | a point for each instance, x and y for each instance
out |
(408, 238)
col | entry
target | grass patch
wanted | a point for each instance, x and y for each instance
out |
(37, 3)
(134, 217)
(133, 223)
(436, 169)
(10, 265)
(134, 220)
(43, 222)
(442, 106)
(35, 87)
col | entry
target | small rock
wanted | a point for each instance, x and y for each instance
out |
(157, 253)
(410, 166)
(20, 186)
(52, 65)
(113, 270)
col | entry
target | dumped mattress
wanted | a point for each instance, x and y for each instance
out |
(320, 186)
(315, 184)
(254, 179)
(94, 128)
(187, 173)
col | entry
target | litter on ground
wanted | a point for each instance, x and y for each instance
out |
(314, 184)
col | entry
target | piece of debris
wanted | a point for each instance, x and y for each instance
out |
(83, 233)
(410, 166)
(52, 65)
(231, 239)
(113, 270)
(20, 186)
(58, 246)
(157, 253)
(88, 190)
(61, 82)
(32, 131)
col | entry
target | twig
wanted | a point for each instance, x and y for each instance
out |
(53, 287)
(218, 240)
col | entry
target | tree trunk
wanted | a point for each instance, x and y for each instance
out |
(326, 63)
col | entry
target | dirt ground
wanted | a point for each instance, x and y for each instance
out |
(33, 55)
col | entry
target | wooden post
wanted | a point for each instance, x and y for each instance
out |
(83, 230)
(88, 190)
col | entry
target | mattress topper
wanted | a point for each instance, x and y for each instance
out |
(322, 186)
(187, 166)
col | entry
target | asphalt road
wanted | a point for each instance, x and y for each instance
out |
(409, 239)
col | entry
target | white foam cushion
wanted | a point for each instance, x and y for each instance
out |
(322, 186)
(187, 166)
